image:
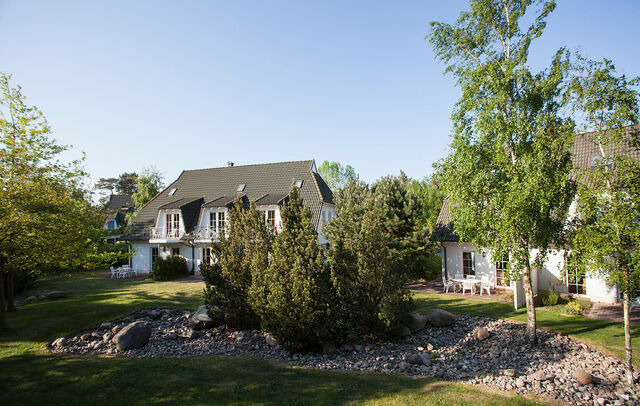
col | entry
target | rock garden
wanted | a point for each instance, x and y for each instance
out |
(468, 349)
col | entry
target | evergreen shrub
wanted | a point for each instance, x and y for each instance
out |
(170, 268)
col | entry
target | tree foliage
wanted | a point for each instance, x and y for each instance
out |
(239, 257)
(294, 296)
(127, 183)
(508, 170)
(149, 184)
(369, 254)
(607, 238)
(46, 221)
(335, 174)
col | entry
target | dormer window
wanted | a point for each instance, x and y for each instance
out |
(173, 225)
(241, 187)
(171, 193)
(299, 184)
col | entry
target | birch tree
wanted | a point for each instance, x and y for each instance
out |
(607, 239)
(507, 174)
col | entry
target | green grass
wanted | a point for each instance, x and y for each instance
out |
(30, 375)
(604, 335)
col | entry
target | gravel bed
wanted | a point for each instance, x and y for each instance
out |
(505, 360)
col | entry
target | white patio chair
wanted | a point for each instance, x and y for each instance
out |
(114, 272)
(468, 285)
(448, 283)
(485, 284)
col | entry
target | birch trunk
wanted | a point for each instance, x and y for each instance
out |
(531, 310)
(627, 330)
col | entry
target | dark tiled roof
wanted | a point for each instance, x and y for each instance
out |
(271, 199)
(215, 184)
(443, 230)
(178, 204)
(582, 154)
(117, 202)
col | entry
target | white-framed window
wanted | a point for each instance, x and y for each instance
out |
(270, 216)
(154, 255)
(217, 221)
(173, 224)
(206, 256)
(467, 264)
(575, 281)
(175, 251)
(501, 271)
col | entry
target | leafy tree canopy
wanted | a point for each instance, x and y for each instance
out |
(150, 183)
(336, 175)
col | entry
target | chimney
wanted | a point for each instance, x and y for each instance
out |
(229, 163)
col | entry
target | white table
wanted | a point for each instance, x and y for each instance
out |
(468, 283)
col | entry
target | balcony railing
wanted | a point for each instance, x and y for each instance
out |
(207, 233)
(162, 233)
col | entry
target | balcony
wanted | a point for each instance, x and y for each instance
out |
(162, 234)
(207, 234)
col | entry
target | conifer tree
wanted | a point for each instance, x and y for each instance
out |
(366, 256)
(240, 255)
(294, 297)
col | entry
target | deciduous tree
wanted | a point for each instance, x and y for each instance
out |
(508, 172)
(335, 174)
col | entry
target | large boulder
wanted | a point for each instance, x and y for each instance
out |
(440, 318)
(201, 320)
(134, 335)
(481, 334)
(416, 322)
(582, 376)
(56, 294)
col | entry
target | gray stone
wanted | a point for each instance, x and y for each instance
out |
(509, 372)
(201, 319)
(440, 318)
(347, 347)
(31, 299)
(194, 334)
(60, 342)
(357, 347)
(171, 336)
(414, 359)
(417, 322)
(481, 334)
(582, 376)
(154, 314)
(520, 383)
(270, 340)
(107, 325)
(538, 376)
(405, 331)
(425, 359)
(134, 335)
(55, 294)
(403, 366)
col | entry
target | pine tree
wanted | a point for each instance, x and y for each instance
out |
(237, 258)
(367, 258)
(294, 297)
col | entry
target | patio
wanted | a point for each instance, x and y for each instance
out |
(435, 286)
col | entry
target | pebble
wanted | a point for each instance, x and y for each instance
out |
(546, 369)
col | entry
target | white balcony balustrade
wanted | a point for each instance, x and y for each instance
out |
(162, 233)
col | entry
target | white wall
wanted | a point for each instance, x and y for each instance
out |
(142, 257)
(484, 265)
(327, 213)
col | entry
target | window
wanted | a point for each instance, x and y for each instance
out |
(271, 220)
(206, 256)
(154, 255)
(171, 193)
(575, 281)
(501, 271)
(217, 221)
(467, 264)
(299, 184)
(173, 225)
(175, 251)
(241, 187)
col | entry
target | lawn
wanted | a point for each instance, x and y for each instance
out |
(606, 336)
(29, 374)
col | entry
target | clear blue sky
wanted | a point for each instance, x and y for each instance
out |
(185, 84)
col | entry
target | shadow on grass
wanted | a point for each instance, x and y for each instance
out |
(68, 380)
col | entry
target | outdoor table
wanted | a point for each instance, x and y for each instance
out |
(468, 283)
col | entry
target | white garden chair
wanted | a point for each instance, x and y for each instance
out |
(469, 284)
(448, 283)
(114, 272)
(485, 284)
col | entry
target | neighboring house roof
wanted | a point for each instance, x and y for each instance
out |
(218, 187)
(583, 152)
(119, 202)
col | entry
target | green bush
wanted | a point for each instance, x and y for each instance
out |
(550, 298)
(173, 267)
(573, 307)
(294, 297)
(369, 254)
(239, 256)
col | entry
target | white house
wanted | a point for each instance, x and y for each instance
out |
(191, 213)
(117, 208)
(460, 258)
